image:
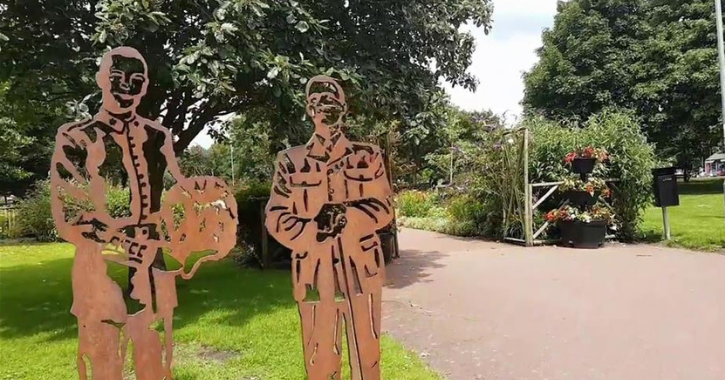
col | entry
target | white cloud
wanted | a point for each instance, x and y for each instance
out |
(498, 65)
(505, 54)
(203, 139)
(523, 7)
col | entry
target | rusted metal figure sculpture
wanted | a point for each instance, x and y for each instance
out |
(197, 215)
(328, 199)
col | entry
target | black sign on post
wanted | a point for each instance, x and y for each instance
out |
(665, 187)
(666, 193)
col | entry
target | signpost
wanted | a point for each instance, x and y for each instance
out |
(666, 194)
(721, 58)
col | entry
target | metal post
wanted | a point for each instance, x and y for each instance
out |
(721, 58)
(452, 152)
(666, 219)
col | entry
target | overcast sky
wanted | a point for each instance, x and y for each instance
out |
(503, 55)
(500, 58)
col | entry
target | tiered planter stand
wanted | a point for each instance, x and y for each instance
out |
(578, 234)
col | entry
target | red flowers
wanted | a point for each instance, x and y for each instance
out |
(566, 214)
(570, 157)
(599, 154)
(551, 216)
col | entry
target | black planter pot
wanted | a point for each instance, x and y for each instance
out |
(583, 165)
(387, 240)
(568, 233)
(590, 235)
(580, 198)
(582, 235)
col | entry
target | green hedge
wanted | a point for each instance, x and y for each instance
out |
(250, 201)
(449, 212)
(34, 218)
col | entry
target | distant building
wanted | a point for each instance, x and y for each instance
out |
(715, 165)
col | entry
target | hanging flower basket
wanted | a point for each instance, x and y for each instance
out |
(584, 194)
(583, 165)
(581, 198)
(583, 161)
(584, 230)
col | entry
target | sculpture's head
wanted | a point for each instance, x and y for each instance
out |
(326, 105)
(123, 79)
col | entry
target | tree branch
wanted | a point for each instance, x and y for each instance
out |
(195, 127)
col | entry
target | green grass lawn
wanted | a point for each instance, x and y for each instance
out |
(699, 221)
(231, 324)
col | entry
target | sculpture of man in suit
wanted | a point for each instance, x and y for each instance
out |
(108, 321)
(328, 199)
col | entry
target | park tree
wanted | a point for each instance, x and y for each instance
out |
(677, 92)
(210, 58)
(655, 57)
(584, 64)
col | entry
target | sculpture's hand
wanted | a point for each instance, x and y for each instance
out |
(331, 221)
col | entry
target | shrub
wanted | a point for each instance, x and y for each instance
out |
(495, 179)
(250, 203)
(468, 215)
(4, 226)
(119, 202)
(414, 203)
(449, 212)
(34, 218)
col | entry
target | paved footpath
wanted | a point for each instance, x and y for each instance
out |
(480, 310)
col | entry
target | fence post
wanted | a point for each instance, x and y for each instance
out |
(528, 214)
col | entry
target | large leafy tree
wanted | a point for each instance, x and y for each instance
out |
(584, 62)
(656, 57)
(209, 58)
(677, 91)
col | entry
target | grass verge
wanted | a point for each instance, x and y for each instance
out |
(231, 324)
(697, 223)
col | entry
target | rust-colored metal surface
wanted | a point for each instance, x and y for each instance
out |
(328, 199)
(195, 223)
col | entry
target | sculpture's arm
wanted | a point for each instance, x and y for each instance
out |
(73, 206)
(171, 162)
(283, 219)
(377, 204)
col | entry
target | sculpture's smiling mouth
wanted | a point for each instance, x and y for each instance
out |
(121, 96)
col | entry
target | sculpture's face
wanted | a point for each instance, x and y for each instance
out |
(124, 85)
(329, 112)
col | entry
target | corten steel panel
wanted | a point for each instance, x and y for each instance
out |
(197, 216)
(328, 200)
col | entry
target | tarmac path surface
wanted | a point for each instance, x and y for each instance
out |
(482, 310)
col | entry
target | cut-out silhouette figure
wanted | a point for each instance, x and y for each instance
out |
(328, 200)
(197, 215)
